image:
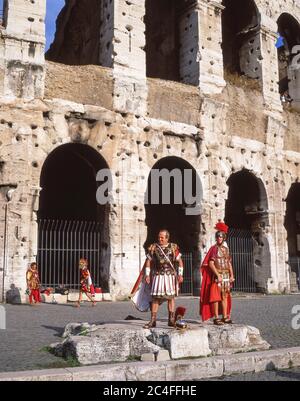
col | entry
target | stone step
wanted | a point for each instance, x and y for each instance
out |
(182, 370)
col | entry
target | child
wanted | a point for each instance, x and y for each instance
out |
(33, 284)
(86, 285)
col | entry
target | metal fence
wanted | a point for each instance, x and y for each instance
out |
(60, 246)
(294, 263)
(241, 245)
(186, 287)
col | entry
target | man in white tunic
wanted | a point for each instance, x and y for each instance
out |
(164, 273)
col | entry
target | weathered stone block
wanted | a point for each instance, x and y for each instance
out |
(150, 357)
(189, 343)
(273, 360)
(162, 355)
(236, 364)
(55, 298)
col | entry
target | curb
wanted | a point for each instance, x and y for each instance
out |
(182, 370)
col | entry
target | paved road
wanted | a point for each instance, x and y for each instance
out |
(280, 375)
(30, 329)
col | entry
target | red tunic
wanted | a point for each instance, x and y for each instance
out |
(209, 293)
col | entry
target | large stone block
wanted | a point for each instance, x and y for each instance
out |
(236, 364)
(272, 361)
(127, 340)
(229, 339)
(189, 343)
(105, 343)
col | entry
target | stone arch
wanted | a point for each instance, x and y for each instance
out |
(169, 25)
(68, 206)
(241, 40)
(181, 213)
(289, 76)
(246, 213)
(292, 226)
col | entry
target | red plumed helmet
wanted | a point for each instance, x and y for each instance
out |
(180, 311)
(220, 226)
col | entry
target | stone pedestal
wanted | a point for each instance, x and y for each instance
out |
(128, 340)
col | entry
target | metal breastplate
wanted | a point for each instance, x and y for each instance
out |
(161, 264)
(222, 260)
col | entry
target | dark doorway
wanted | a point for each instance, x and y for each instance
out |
(292, 225)
(71, 222)
(164, 31)
(289, 30)
(174, 216)
(246, 213)
(240, 32)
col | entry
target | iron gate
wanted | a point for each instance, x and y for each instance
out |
(60, 246)
(294, 263)
(241, 245)
(186, 287)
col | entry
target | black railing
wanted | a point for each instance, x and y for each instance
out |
(60, 246)
(294, 262)
(241, 245)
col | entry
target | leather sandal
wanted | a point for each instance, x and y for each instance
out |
(171, 321)
(152, 322)
(218, 322)
(227, 320)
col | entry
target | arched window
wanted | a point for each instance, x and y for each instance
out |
(289, 62)
(171, 51)
(241, 38)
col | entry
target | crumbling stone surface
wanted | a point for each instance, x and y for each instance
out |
(121, 341)
(219, 126)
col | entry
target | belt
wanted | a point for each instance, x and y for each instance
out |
(164, 272)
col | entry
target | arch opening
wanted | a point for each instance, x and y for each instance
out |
(292, 226)
(246, 214)
(289, 76)
(174, 213)
(168, 27)
(71, 222)
(241, 40)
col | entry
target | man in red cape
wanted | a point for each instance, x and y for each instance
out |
(217, 278)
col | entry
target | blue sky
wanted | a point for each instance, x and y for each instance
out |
(53, 9)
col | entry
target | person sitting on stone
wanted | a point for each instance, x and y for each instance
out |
(161, 274)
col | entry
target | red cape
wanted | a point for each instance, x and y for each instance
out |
(206, 301)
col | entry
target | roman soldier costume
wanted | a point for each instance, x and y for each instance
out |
(86, 284)
(159, 280)
(164, 283)
(33, 284)
(215, 290)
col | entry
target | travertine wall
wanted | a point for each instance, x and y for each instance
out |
(219, 128)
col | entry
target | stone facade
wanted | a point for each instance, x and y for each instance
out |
(231, 128)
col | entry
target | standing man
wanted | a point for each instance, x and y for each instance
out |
(217, 278)
(33, 284)
(161, 274)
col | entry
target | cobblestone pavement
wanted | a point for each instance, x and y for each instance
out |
(31, 328)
